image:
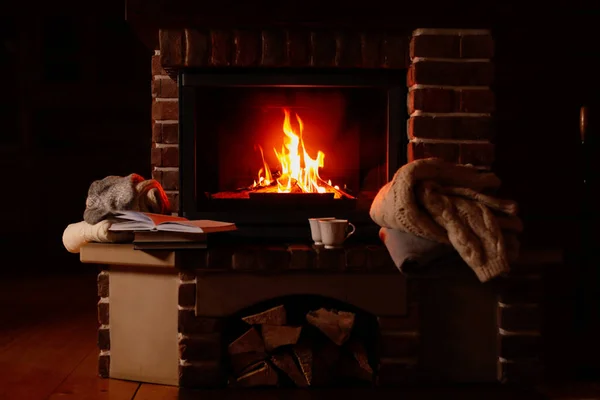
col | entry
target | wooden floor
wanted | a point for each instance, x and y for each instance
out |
(48, 351)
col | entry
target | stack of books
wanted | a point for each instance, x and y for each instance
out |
(166, 232)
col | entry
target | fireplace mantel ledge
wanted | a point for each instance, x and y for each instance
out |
(125, 255)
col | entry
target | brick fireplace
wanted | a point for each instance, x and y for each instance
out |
(442, 326)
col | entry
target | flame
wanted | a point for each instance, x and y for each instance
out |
(297, 167)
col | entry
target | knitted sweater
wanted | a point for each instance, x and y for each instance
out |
(446, 203)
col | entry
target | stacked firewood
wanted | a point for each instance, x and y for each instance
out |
(320, 352)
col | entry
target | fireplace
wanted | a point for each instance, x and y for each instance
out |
(268, 149)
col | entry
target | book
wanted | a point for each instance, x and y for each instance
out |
(134, 221)
(169, 245)
(169, 237)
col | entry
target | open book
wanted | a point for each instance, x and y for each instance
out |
(140, 221)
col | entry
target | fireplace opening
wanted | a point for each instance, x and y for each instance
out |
(301, 341)
(276, 147)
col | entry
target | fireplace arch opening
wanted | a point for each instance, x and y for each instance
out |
(301, 341)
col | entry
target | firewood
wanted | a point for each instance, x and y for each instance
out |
(360, 355)
(304, 355)
(273, 316)
(275, 336)
(262, 374)
(325, 359)
(350, 368)
(286, 363)
(336, 325)
(249, 342)
(241, 363)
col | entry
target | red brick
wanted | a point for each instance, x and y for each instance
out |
(349, 49)
(200, 347)
(519, 346)
(274, 48)
(187, 294)
(479, 154)
(165, 110)
(197, 47)
(165, 88)
(394, 51)
(155, 157)
(519, 318)
(103, 284)
(440, 46)
(477, 46)
(246, 45)
(173, 201)
(524, 371)
(170, 180)
(203, 374)
(221, 48)
(191, 324)
(371, 50)
(324, 49)
(408, 322)
(103, 365)
(477, 101)
(399, 345)
(103, 313)
(431, 100)
(157, 68)
(156, 132)
(471, 73)
(170, 156)
(104, 339)
(169, 133)
(450, 127)
(171, 47)
(157, 175)
(299, 48)
(445, 151)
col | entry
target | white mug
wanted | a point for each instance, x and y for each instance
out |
(315, 229)
(335, 231)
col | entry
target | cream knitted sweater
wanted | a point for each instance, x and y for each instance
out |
(446, 202)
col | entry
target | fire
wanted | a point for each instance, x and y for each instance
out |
(297, 167)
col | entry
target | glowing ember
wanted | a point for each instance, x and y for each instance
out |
(297, 167)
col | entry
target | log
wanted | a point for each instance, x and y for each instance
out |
(325, 360)
(336, 325)
(261, 374)
(304, 355)
(273, 316)
(359, 353)
(249, 342)
(275, 336)
(241, 363)
(285, 362)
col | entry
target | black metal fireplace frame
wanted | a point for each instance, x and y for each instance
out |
(271, 224)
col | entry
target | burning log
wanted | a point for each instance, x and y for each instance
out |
(335, 325)
(286, 363)
(339, 193)
(273, 316)
(261, 374)
(276, 336)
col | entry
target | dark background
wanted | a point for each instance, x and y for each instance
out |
(76, 101)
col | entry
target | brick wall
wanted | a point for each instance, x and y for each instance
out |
(165, 131)
(104, 328)
(449, 101)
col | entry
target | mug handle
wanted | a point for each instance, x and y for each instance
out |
(352, 231)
